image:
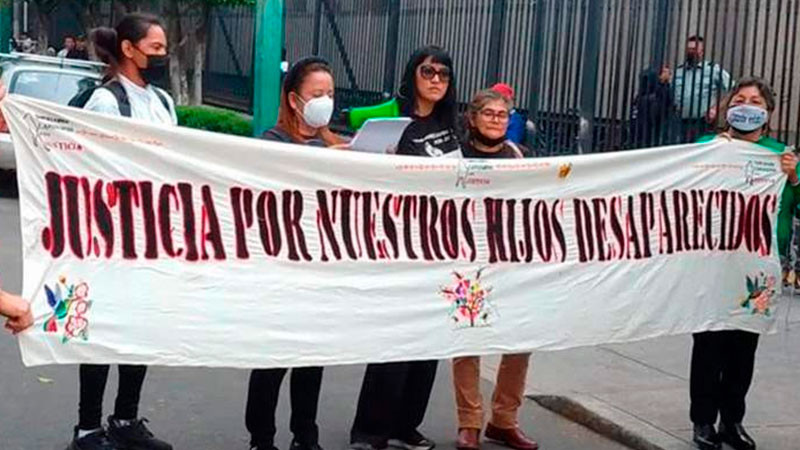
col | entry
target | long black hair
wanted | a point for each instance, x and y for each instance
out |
(446, 109)
(108, 41)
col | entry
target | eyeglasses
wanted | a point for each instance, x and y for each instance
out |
(428, 72)
(489, 114)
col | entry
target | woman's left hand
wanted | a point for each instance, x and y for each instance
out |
(789, 167)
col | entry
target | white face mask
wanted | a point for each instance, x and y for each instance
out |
(317, 112)
(747, 118)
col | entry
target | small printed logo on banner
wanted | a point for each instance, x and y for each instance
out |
(760, 293)
(41, 127)
(756, 172)
(564, 170)
(70, 304)
(469, 301)
(468, 171)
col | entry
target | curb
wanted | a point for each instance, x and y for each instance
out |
(611, 422)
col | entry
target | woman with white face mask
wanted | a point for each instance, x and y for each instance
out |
(306, 108)
(723, 361)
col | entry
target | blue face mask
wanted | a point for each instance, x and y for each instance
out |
(747, 118)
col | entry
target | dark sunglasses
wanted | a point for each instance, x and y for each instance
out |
(428, 72)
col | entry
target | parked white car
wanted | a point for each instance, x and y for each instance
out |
(56, 80)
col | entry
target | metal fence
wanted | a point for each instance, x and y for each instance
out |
(228, 74)
(575, 64)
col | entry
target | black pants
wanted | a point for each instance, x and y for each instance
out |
(393, 400)
(722, 369)
(262, 400)
(93, 380)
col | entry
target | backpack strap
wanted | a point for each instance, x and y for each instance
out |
(115, 87)
(163, 99)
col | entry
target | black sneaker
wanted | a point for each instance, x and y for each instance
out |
(300, 446)
(414, 441)
(365, 446)
(95, 441)
(706, 438)
(134, 436)
(736, 436)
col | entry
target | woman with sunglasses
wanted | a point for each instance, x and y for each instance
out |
(394, 396)
(487, 121)
(428, 95)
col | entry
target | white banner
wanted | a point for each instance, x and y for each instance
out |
(169, 246)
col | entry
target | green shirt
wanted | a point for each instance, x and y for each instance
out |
(790, 198)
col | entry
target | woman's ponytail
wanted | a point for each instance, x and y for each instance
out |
(106, 48)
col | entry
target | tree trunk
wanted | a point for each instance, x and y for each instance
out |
(175, 43)
(44, 26)
(201, 41)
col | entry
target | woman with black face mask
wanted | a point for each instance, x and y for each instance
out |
(136, 54)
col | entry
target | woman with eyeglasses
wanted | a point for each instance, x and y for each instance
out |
(487, 122)
(394, 396)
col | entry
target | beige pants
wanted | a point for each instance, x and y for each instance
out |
(507, 396)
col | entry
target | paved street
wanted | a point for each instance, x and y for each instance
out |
(203, 408)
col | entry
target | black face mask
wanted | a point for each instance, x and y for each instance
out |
(156, 70)
(485, 140)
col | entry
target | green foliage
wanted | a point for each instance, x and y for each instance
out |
(215, 119)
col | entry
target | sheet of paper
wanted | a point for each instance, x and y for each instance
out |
(380, 135)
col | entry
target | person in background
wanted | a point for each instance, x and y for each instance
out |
(723, 361)
(394, 396)
(69, 45)
(488, 118)
(136, 54)
(26, 44)
(516, 122)
(81, 50)
(697, 84)
(306, 107)
(653, 110)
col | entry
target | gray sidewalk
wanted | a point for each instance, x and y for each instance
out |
(639, 393)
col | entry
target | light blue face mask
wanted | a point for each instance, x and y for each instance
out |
(747, 118)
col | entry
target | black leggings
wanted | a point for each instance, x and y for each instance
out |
(721, 372)
(93, 378)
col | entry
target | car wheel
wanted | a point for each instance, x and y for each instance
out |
(8, 183)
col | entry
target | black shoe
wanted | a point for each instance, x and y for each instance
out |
(134, 436)
(95, 441)
(413, 441)
(706, 438)
(736, 436)
(365, 446)
(264, 448)
(300, 446)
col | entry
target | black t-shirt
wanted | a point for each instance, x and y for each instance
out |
(279, 134)
(428, 136)
(508, 151)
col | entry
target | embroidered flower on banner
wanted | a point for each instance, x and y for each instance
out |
(469, 300)
(760, 292)
(70, 304)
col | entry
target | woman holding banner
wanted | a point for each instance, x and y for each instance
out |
(305, 110)
(136, 54)
(487, 118)
(723, 361)
(394, 396)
